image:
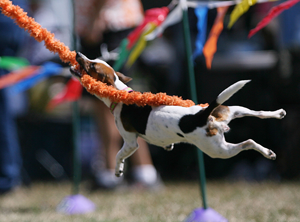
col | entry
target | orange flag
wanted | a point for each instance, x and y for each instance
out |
(210, 46)
(17, 76)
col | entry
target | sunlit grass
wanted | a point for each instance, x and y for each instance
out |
(236, 201)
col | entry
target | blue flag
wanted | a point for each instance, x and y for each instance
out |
(201, 13)
(48, 69)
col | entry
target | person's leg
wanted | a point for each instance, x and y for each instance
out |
(143, 170)
(111, 143)
(11, 40)
(10, 157)
(142, 155)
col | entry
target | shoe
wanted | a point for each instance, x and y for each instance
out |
(106, 180)
(155, 186)
(145, 177)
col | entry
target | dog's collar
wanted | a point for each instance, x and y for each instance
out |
(114, 104)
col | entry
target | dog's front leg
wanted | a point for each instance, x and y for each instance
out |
(126, 151)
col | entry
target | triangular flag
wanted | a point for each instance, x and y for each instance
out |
(201, 13)
(17, 76)
(274, 12)
(239, 10)
(123, 54)
(12, 63)
(141, 44)
(210, 46)
(174, 17)
(155, 16)
(71, 92)
(48, 69)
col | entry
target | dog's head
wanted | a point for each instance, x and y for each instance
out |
(98, 69)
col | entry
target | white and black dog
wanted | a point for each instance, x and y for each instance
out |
(165, 125)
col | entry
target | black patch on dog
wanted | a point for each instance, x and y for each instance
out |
(189, 123)
(179, 134)
(135, 118)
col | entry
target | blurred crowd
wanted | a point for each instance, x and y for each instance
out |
(36, 143)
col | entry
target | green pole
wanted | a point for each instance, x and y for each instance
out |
(76, 149)
(76, 125)
(188, 46)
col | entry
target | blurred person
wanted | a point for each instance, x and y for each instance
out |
(56, 17)
(110, 22)
(11, 41)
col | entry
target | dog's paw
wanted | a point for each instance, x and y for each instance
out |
(119, 174)
(271, 155)
(170, 147)
(281, 114)
(119, 169)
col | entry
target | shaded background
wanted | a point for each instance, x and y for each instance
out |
(270, 59)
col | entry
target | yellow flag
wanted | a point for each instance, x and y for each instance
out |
(240, 9)
(140, 45)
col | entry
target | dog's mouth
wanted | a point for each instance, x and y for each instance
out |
(77, 70)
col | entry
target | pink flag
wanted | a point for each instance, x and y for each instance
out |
(274, 12)
(154, 15)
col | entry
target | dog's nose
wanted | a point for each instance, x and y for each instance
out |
(78, 55)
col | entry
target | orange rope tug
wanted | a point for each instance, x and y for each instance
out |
(92, 86)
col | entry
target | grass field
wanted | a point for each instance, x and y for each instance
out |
(236, 201)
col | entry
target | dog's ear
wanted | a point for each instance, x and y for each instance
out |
(123, 78)
(210, 119)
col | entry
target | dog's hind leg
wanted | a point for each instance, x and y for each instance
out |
(129, 147)
(239, 112)
(234, 149)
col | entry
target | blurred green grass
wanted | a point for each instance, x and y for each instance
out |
(236, 201)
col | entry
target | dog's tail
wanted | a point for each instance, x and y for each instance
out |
(222, 97)
(228, 92)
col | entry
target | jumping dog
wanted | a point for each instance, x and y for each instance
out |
(165, 125)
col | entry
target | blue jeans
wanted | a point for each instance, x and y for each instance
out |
(10, 157)
(11, 40)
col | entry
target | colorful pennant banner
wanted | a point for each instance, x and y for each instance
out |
(210, 46)
(17, 76)
(155, 16)
(201, 13)
(217, 4)
(71, 92)
(239, 10)
(274, 12)
(12, 63)
(155, 22)
(140, 45)
(148, 30)
(173, 17)
(48, 69)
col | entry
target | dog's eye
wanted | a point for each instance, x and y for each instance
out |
(92, 66)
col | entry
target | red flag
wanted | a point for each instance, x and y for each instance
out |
(154, 15)
(274, 12)
(71, 92)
